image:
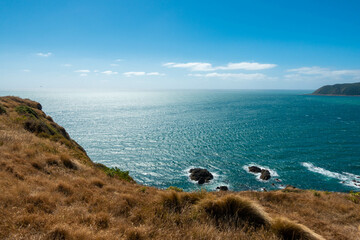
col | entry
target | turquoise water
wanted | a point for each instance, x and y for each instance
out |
(310, 142)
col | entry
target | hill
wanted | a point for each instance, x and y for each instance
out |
(346, 89)
(50, 189)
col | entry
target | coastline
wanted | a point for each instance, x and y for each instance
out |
(52, 188)
(334, 95)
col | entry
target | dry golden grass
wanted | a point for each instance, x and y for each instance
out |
(291, 230)
(235, 211)
(50, 189)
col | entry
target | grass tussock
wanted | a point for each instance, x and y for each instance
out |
(235, 211)
(97, 182)
(134, 234)
(2, 110)
(30, 222)
(52, 161)
(67, 162)
(177, 201)
(64, 188)
(40, 203)
(37, 166)
(102, 221)
(176, 189)
(288, 230)
(59, 233)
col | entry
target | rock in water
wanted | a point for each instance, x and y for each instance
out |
(201, 181)
(265, 174)
(223, 188)
(254, 169)
(200, 175)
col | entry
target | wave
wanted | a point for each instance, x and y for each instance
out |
(345, 178)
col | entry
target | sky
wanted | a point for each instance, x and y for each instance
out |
(147, 44)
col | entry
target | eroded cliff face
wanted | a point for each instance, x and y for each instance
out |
(50, 189)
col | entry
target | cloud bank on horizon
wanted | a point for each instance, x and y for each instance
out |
(200, 66)
(250, 71)
(176, 45)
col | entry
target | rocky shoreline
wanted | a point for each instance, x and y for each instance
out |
(202, 175)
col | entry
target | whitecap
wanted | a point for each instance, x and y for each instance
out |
(345, 178)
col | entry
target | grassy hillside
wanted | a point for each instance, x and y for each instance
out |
(50, 189)
(346, 89)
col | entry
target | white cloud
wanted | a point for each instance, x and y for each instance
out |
(247, 66)
(119, 60)
(83, 75)
(201, 66)
(239, 76)
(114, 65)
(96, 71)
(192, 66)
(155, 74)
(108, 72)
(26, 70)
(318, 72)
(310, 70)
(82, 71)
(44, 54)
(132, 74)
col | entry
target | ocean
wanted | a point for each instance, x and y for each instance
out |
(310, 142)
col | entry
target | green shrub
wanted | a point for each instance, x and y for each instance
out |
(142, 189)
(176, 189)
(116, 172)
(101, 166)
(354, 197)
(37, 126)
(25, 110)
(317, 194)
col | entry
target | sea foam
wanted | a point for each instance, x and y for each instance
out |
(344, 177)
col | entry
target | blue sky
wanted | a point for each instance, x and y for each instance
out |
(178, 44)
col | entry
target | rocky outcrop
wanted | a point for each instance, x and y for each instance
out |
(265, 174)
(254, 169)
(200, 175)
(222, 188)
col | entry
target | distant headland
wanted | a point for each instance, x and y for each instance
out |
(345, 89)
